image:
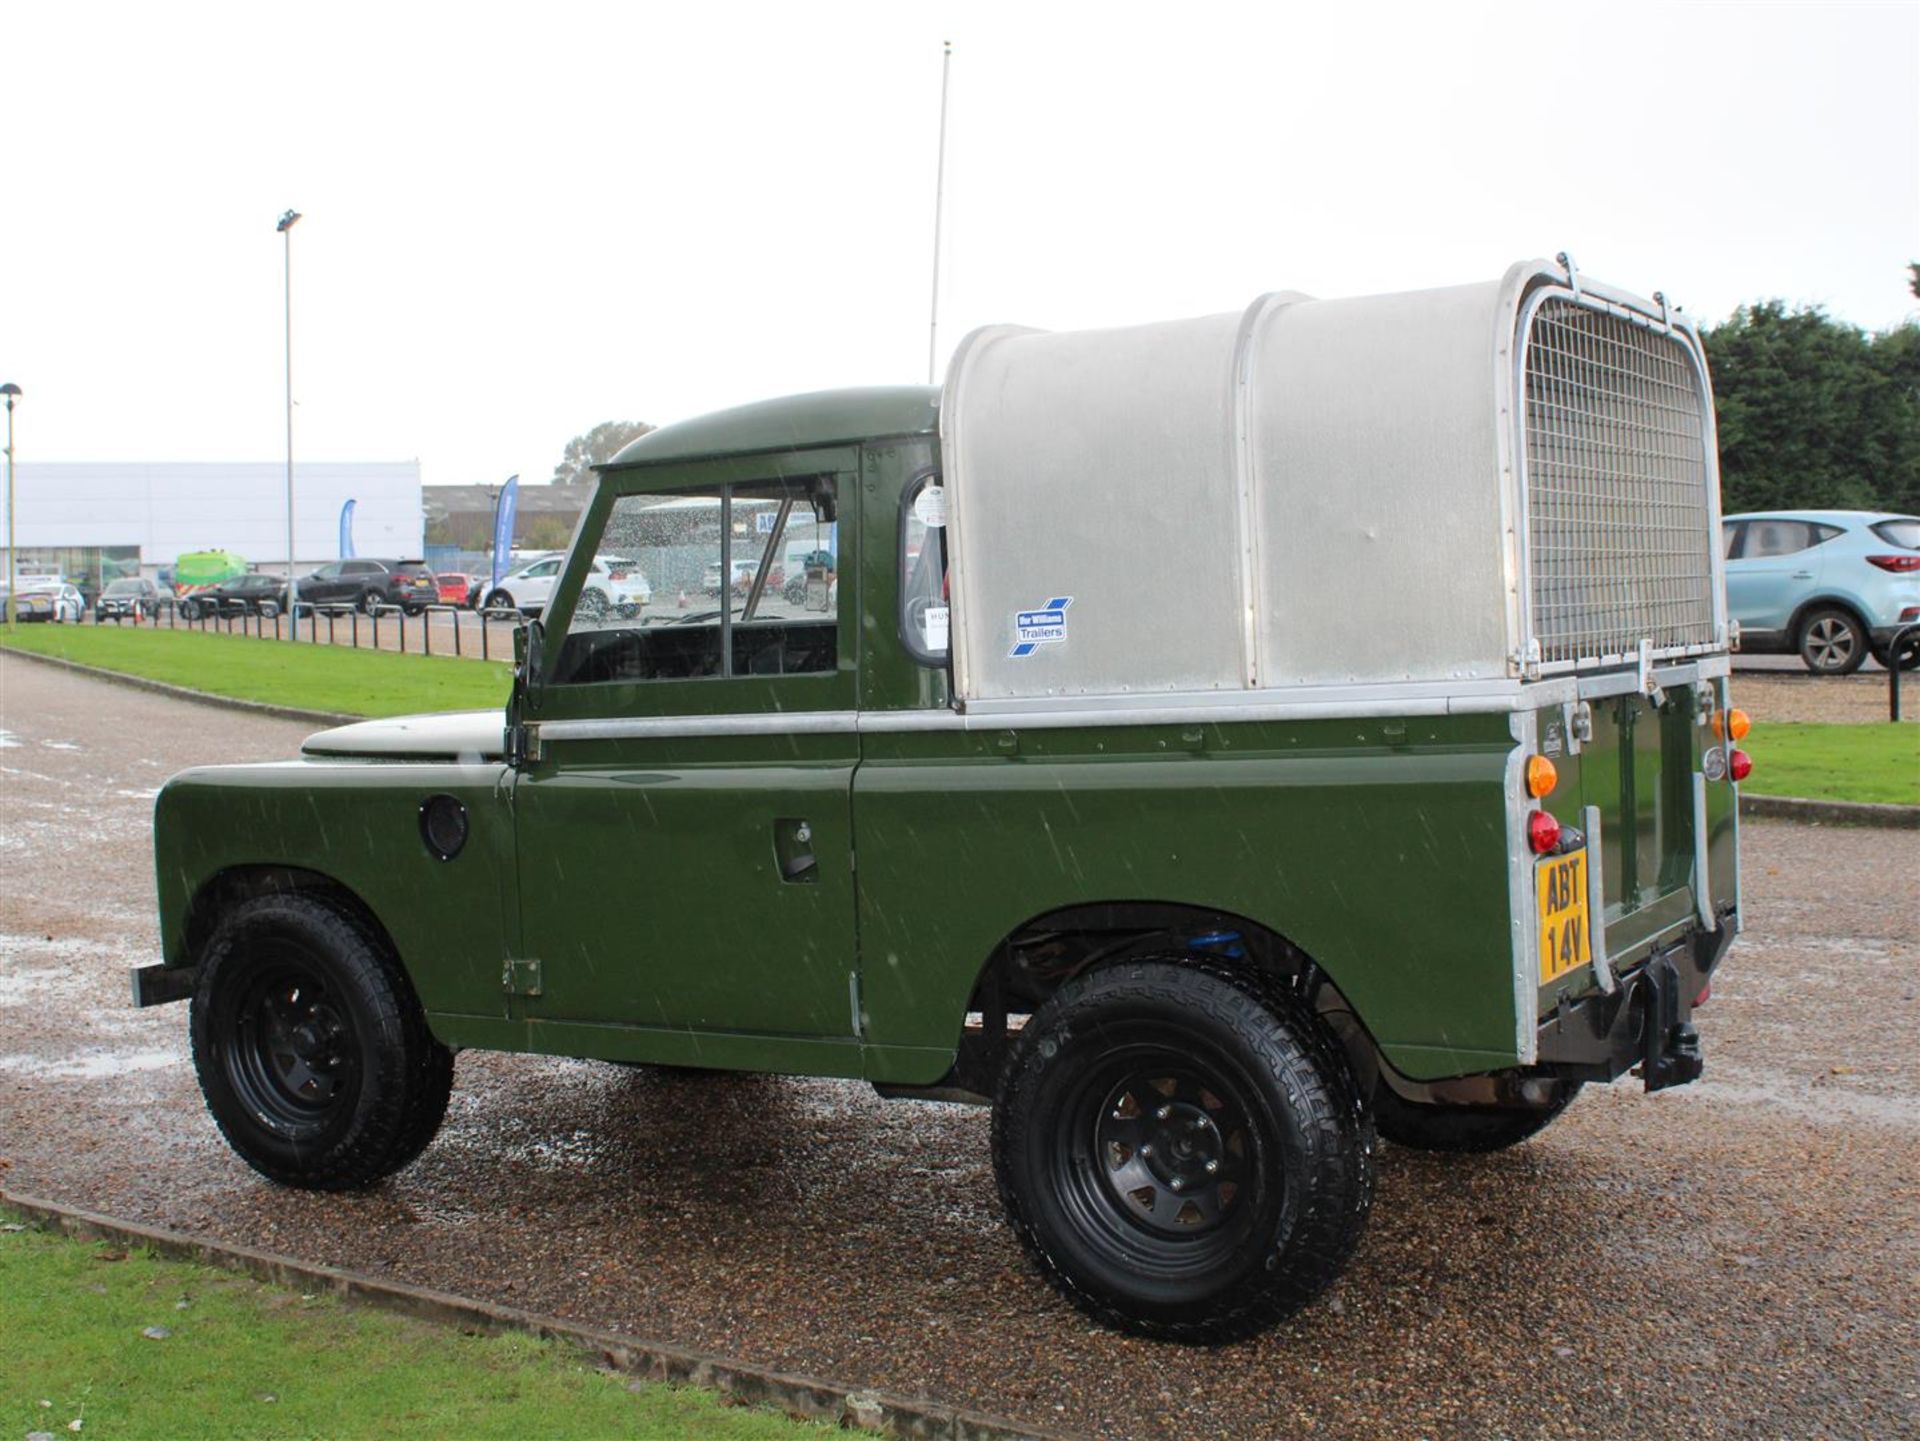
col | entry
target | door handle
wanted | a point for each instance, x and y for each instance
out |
(1801, 575)
(793, 852)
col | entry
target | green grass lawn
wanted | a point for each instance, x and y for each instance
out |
(1836, 762)
(310, 677)
(240, 1359)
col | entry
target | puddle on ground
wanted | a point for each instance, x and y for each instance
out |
(92, 1065)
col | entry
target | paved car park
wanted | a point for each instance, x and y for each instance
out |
(1732, 1259)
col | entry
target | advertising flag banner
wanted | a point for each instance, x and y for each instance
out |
(503, 526)
(346, 531)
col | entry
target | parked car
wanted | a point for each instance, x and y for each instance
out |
(131, 598)
(456, 587)
(370, 584)
(614, 586)
(67, 603)
(256, 593)
(33, 603)
(1831, 586)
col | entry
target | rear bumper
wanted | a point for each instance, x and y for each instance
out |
(1646, 1023)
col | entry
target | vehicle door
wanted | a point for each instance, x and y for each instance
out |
(321, 587)
(534, 589)
(683, 820)
(1776, 567)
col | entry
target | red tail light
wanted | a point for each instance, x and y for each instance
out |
(616, 575)
(1898, 564)
(1739, 765)
(1543, 832)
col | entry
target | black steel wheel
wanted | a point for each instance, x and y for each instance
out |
(1464, 1130)
(1181, 1157)
(1832, 642)
(312, 1050)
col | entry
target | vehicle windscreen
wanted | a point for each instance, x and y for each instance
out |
(125, 587)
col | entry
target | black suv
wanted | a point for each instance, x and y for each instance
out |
(130, 598)
(255, 593)
(370, 584)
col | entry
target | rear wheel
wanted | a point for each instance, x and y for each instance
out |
(370, 602)
(1178, 1157)
(1463, 1129)
(313, 1053)
(1832, 642)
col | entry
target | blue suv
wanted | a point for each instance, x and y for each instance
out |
(1829, 585)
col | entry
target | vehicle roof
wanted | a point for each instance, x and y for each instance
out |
(1867, 517)
(792, 422)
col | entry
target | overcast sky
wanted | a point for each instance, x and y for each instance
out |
(520, 221)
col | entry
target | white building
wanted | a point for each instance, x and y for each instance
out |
(73, 516)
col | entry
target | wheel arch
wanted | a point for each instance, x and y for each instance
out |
(1034, 959)
(226, 889)
(1825, 602)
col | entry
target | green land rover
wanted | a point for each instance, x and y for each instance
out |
(1213, 743)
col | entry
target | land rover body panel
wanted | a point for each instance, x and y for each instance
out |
(624, 891)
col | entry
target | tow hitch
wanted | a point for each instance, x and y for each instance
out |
(1673, 1046)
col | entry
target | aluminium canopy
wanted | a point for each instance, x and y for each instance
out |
(1435, 493)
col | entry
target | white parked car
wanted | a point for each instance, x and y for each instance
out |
(68, 604)
(615, 586)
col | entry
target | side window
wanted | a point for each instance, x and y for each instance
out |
(360, 567)
(734, 581)
(1776, 537)
(544, 570)
(924, 610)
(1730, 539)
(327, 572)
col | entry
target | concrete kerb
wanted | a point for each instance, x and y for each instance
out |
(1788, 808)
(857, 1408)
(1831, 813)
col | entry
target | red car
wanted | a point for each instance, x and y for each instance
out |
(456, 587)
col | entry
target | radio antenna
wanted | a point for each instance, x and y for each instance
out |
(939, 194)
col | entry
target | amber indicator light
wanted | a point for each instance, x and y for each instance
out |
(1542, 776)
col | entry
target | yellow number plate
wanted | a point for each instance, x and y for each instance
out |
(1561, 882)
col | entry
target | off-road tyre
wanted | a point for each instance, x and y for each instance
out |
(1233, 1074)
(1463, 1130)
(1832, 641)
(312, 1049)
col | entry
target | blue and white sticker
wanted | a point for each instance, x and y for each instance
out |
(1045, 626)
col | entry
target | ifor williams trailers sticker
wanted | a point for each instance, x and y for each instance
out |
(1035, 628)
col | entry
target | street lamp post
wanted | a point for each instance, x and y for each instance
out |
(12, 393)
(285, 227)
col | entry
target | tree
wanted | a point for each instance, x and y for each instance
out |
(602, 443)
(1813, 412)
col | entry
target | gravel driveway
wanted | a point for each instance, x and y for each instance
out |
(1739, 1258)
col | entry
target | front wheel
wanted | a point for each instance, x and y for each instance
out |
(499, 600)
(1465, 1130)
(1832, 642)
(312, 1050)
(1179, 1157)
